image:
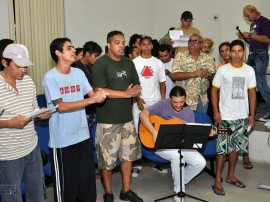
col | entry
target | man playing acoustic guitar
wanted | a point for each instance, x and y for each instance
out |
(175, 107)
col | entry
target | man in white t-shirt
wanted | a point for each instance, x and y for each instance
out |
(164, 53)
(235, 83)
(152, 77)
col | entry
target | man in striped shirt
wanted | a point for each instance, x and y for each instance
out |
(20, 157)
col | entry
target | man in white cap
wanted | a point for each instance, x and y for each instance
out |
(20, 157)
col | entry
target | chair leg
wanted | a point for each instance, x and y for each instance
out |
(211, 171)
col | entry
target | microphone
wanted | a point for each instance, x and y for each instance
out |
(242, 35)
(248, 42)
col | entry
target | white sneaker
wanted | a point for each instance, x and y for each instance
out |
(265, 118)
(178, 199)
(160, 169)
(267, 124)
(135, 171)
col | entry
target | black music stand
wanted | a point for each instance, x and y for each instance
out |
(182, 136)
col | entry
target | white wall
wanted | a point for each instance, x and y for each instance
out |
(230, 13)
(4, 22)
(93, 19)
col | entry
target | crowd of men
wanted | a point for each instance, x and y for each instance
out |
(182, 81)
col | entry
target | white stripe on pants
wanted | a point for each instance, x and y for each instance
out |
(194, 160)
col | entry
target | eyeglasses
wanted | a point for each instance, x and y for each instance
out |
(194, 41)
(207, 47)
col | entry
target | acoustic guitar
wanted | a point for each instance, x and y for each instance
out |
(147, 138)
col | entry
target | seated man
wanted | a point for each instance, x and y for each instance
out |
(175, 107)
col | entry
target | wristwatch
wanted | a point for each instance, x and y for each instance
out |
(249, 35)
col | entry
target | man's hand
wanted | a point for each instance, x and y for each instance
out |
(99, 96)
(205, 72)
(201, 73)
(170, 42)
(251, 121)
(45, 115)
(155, 137)
(19, 121)
(133, 91)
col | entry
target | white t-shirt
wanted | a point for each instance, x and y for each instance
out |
(151, 72)
(169, 82)
(234, 84)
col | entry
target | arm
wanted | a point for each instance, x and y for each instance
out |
(214, 99)
(16, 122)
(256, 37)
(94, 97)
(162, 87)
(252, 106)
(180, 76)
(144, 117)
(128, 93)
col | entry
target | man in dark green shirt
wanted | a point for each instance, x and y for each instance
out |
(116, 135)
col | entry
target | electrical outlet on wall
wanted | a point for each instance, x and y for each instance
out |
(216, 17)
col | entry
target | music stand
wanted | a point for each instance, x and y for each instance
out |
(182, 136)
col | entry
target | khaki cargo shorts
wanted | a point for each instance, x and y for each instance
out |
(116, 140)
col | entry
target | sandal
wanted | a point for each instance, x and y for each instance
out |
(218, 191)
(247, 165)
(237, 183)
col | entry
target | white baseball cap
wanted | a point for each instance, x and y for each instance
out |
(18, 53)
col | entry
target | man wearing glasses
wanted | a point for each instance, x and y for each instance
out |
(193, 70)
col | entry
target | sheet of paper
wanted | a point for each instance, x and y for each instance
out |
(37, 112)
(179, 38)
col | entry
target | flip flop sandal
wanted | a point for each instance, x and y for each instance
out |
(247, 165)
(218, 191)
(237, 183)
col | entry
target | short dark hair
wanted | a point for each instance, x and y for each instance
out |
(133, 39)
(111, 34)
(92, 47)
(226, 43)
(78, 50)
(57, 44)
(129, 50)
(3, 44)
(177, 91)
(164, 47)
(8, 60)
(237, 42)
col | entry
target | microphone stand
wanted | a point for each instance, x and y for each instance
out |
(248, 42)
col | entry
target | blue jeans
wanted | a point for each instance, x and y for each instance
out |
(259, 60)
(28, 169)
(200, 107)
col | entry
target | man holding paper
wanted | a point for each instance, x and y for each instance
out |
(187, 30)
(19, 152)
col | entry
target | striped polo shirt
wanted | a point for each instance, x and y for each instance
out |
(16, 143)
